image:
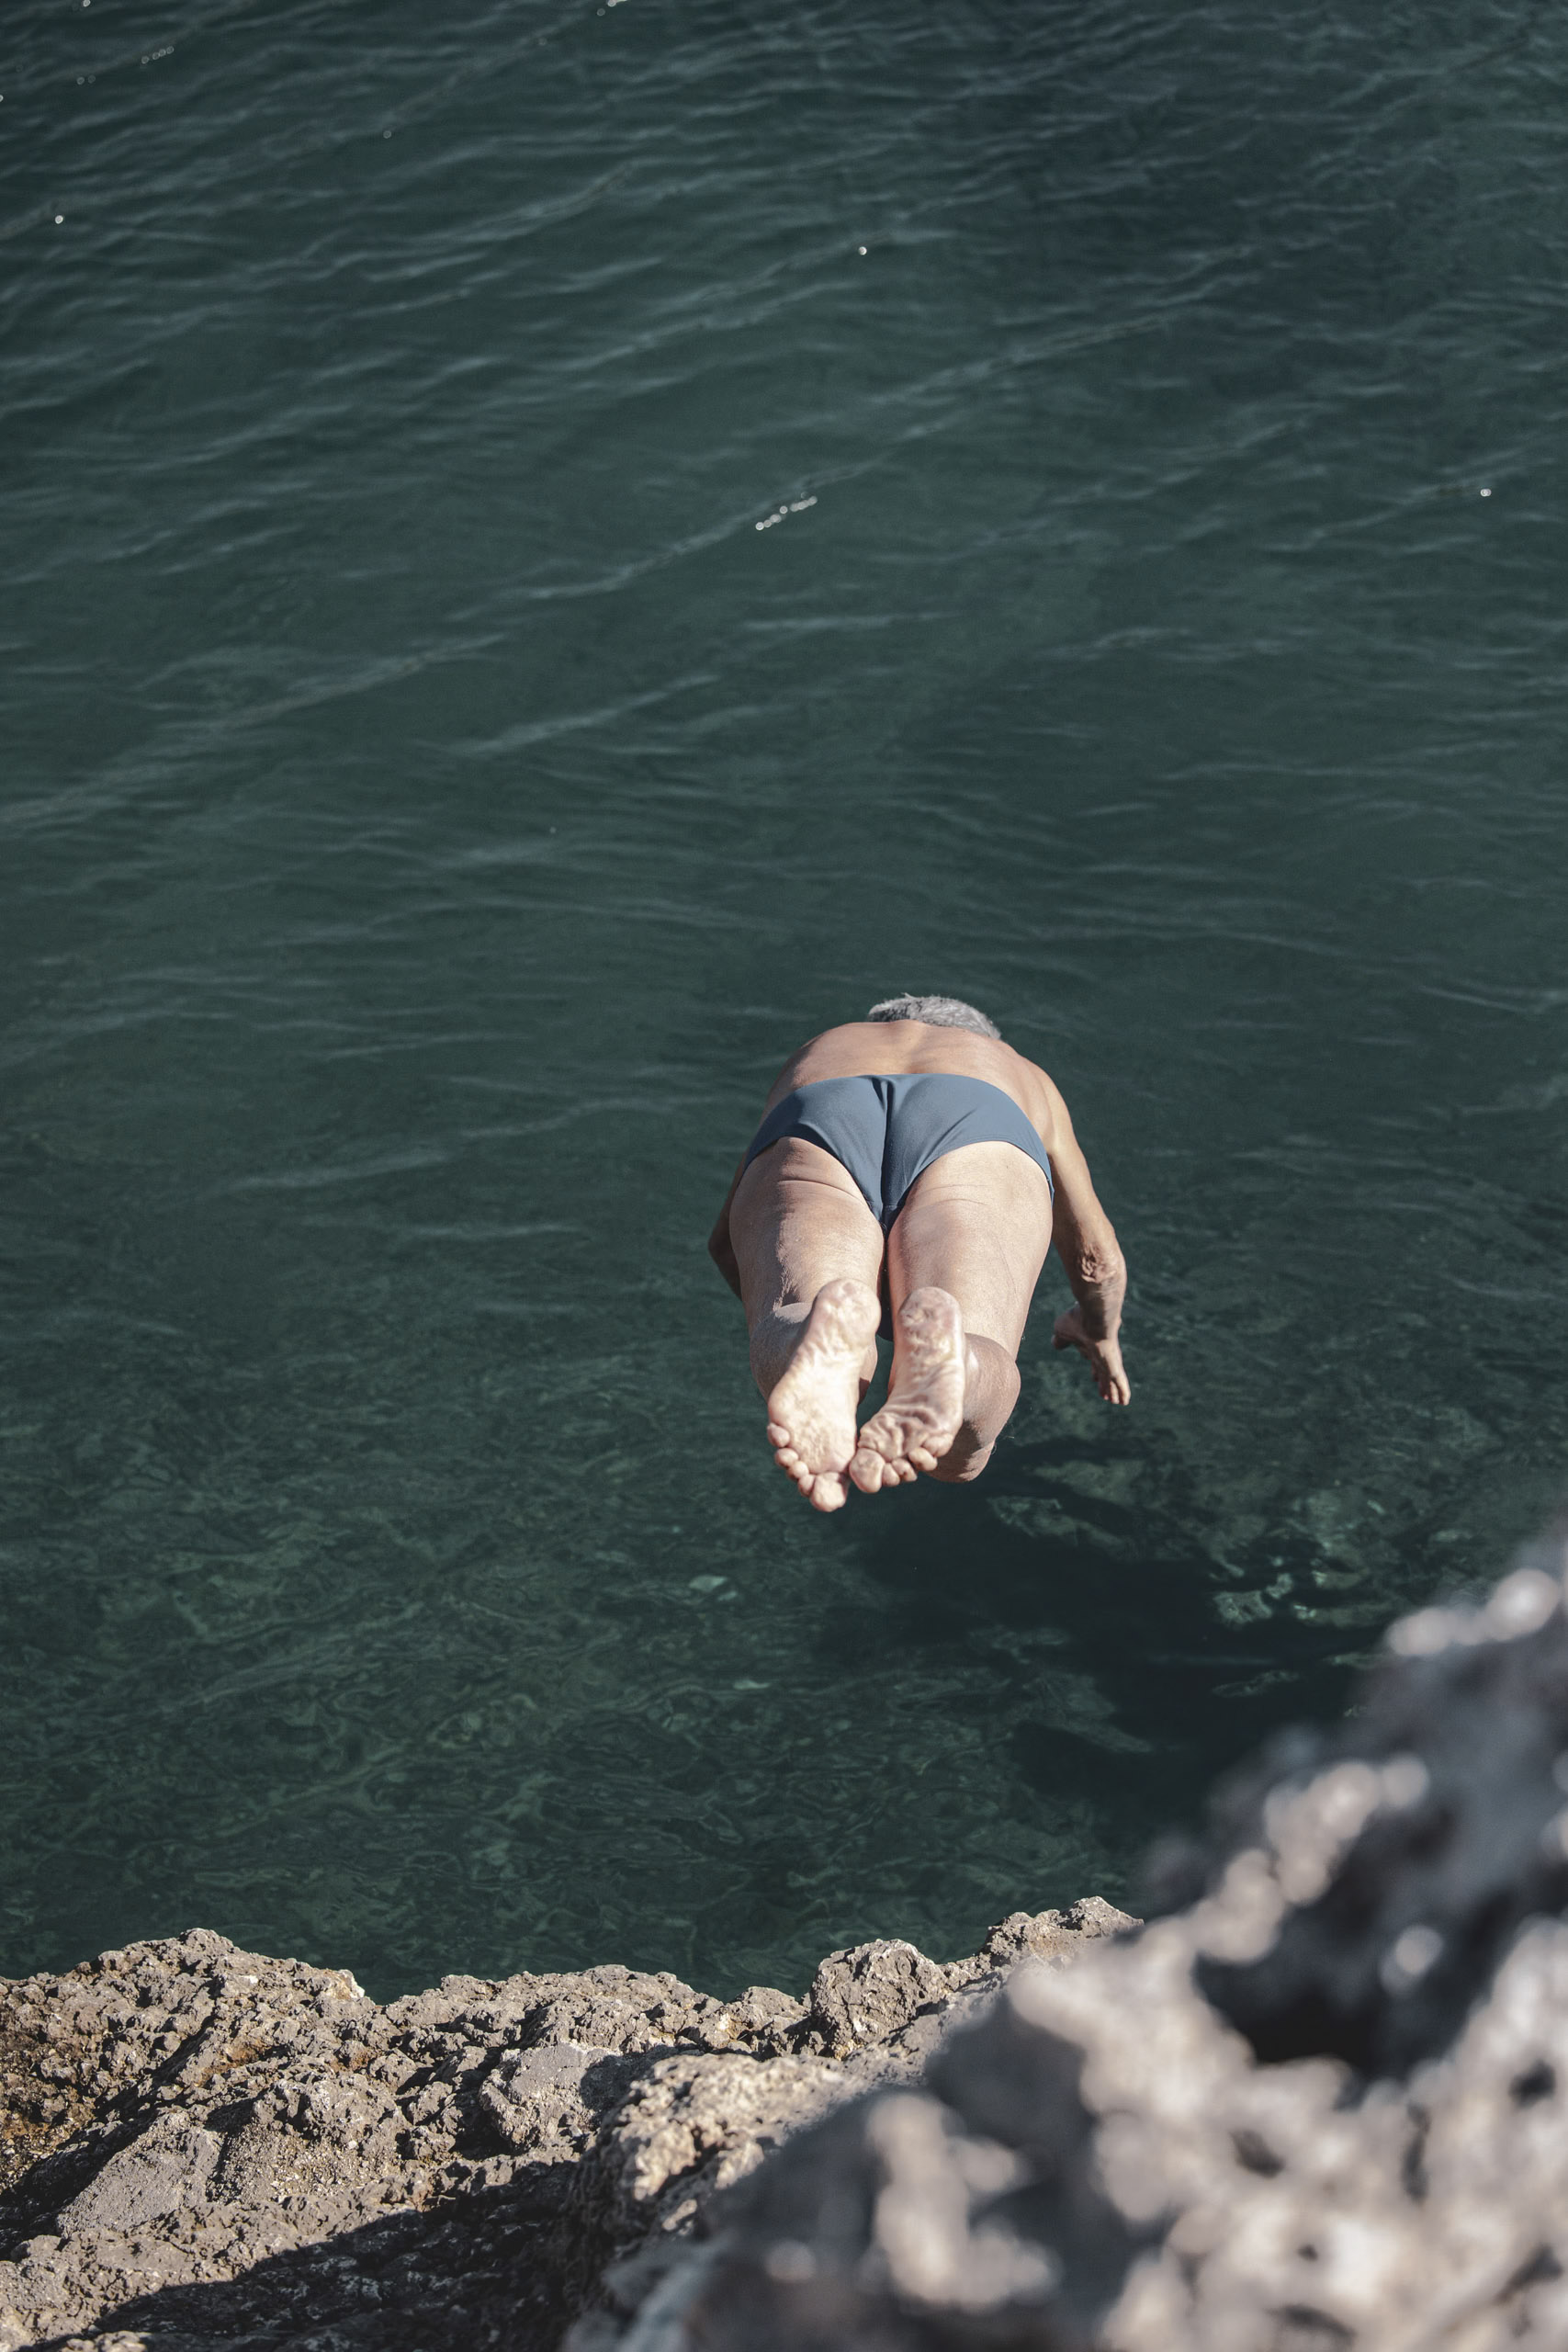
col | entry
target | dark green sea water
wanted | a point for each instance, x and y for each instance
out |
(432, 804)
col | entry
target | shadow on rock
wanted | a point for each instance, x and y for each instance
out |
(488, 2268)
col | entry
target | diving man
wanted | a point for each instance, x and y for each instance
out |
(910, 1165)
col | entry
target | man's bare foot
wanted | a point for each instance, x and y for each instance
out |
(925, 1403)
(811, 1413)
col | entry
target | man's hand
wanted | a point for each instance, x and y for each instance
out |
(1103, 1357)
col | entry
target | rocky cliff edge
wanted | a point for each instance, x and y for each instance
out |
(1318, 2104)
(202, 2146)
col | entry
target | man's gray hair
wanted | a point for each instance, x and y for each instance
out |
(941, 1011)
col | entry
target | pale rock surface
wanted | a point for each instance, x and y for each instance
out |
(201, 2146)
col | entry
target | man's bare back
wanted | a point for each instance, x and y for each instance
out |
(815, 1245)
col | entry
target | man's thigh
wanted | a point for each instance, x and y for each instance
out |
(978, 1222)
(799, 1220)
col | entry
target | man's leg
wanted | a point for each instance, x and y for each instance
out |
(809, 1252)
(963, 1260)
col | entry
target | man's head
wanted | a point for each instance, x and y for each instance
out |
(941, 1011)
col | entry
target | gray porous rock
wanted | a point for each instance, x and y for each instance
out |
(1321, 2103)
(200, 2146)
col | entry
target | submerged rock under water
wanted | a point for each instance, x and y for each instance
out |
(1321, 2100)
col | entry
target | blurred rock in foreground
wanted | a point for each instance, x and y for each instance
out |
(1320, 2102)
(1323, 2104)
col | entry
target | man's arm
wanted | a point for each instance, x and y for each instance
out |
(1091, 1257)
(721, 1250)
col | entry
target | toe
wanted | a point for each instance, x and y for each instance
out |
(828, 1491)
(866, 1470)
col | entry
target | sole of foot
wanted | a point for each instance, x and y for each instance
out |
(811, 1413)
(925, 1403)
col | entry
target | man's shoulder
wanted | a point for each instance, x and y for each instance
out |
(1037, 1091)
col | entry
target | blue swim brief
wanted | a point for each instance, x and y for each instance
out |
(888, 1131)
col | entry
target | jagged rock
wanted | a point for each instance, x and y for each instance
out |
(201, 2146)
(695, 2125)
(865, 1995)
(543, 2101)
(1055, 1937)
(1323, 2106)
(1458, 1767)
